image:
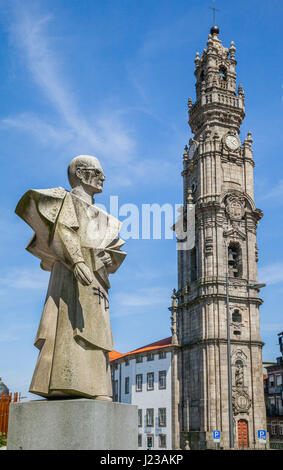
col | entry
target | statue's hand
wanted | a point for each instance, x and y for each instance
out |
(83, 274)
(106, 259)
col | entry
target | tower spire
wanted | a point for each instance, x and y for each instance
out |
(214, 12)
(214, 29)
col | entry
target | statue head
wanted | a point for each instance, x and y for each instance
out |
(85, 171)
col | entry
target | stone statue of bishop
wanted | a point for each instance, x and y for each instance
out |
(79, 243)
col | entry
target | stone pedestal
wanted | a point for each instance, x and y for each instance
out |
(74, 424)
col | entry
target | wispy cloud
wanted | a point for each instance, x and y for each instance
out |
(99, 134)
(43, 131)
(272, 327)
(276, 192)
(273, 193)
(272, 273)
(142, 69)
(132, 303)
(15, 332)
(109, 134)
(24, 279)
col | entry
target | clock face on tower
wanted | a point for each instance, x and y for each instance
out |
(232, 142)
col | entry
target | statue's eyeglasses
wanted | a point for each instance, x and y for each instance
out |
(94, 170)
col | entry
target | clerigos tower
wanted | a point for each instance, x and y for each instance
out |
(220, 359)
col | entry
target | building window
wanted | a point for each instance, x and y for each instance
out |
(236, 316)
(139, 418)
(223, 73)
(234, 260)
(140, 440)
(115, 390)
(162, 440)
(127, 362)
(115, 366)
(149, 417)
(162, 355)
(162, 379)
(278, 380)
(273, 428)
(272, 406)
(237, 333)
(127, 385)
(281, 428)
(150, 381)
(139, 359)
(138, 382)
(150, 357)
(271, 380)
(162, 417)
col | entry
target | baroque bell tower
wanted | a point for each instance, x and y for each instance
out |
(220, 360)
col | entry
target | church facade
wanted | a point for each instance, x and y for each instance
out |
(216, 312)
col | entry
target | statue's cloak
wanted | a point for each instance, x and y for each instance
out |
(74, 334)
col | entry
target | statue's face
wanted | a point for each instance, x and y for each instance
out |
(91, 176)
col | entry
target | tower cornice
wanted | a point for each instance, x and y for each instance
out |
(218, 341)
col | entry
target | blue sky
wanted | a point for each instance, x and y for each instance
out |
(112, 78)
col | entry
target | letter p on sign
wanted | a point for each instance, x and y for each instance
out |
(261, 434)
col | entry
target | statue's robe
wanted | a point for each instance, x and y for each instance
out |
(74, 335)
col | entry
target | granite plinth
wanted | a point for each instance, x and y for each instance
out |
(74, 424)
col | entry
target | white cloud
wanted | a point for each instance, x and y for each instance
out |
(275, 194)
(43, 131)
(109, 134)
(131, 303)
(273, 327)
(272, 274)
(102, 134)
(24, 279)
(12, 333)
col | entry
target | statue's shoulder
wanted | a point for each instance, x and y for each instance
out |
(59, 192)
(45, 201)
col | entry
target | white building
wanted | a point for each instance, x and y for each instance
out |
(145, 377)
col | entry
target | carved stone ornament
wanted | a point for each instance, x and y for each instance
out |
(238, 354)
(208, 246)
(235, 207)
(241, 402)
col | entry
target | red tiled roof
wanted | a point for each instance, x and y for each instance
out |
(163, 343)
(114, 355)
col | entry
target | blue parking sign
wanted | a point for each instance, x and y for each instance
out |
(216, 436)
(261, 434)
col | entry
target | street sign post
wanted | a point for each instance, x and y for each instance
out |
(216, 438)
(261, 434)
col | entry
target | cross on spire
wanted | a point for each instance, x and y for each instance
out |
(214, 12)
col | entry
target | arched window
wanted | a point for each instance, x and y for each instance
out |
(236, 316)
(223, 73)
(234, 260)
